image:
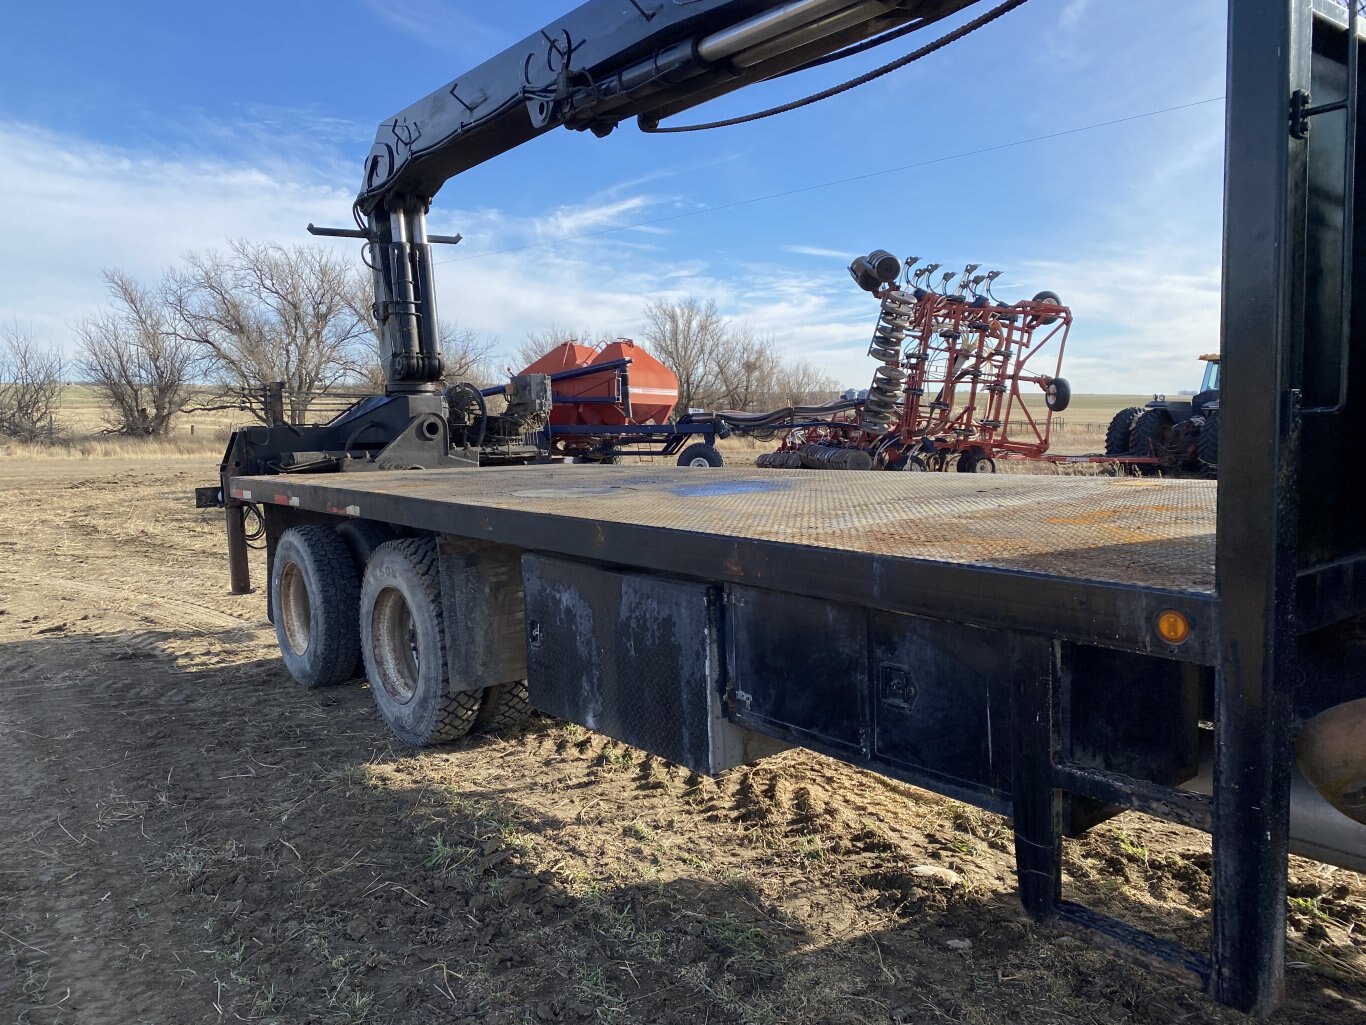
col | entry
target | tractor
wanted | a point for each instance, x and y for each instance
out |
(1171, 436)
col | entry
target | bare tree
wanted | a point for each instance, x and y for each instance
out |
(264, 312)
(746, 369)
(30, 385)
(134, 359)
(800, 383)
(538, 343)
(686, 336)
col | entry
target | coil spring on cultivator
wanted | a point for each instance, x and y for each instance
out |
(894, 321)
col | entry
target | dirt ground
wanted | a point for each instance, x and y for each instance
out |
(189, 837)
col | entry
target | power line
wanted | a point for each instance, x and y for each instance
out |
(839, 181)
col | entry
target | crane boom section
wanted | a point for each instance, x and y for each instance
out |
(609, 60)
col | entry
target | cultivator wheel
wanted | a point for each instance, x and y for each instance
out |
(1057, 396)
(975, 462)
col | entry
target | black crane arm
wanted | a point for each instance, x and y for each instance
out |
(609, 60)
(603, 62)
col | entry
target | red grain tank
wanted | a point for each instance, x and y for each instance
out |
(652, 388)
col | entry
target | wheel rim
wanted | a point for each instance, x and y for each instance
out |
(394, 638)
(295, 609)
(984, 465)
(699, 461)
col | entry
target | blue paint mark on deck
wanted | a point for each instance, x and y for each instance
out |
(728, 487)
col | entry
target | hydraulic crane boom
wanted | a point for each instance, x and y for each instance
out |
(605, 61)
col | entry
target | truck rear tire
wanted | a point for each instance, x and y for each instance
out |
(701, 454)
(403, 642)
(313, 595)
(505, 707)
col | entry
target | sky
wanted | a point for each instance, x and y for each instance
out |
(133, 133)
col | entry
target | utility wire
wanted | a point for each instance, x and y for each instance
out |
(839, 181)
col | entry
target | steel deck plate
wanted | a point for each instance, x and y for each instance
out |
(1086, 557)
(1154, 533)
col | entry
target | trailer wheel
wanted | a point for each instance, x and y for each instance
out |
(1207, 448)
(1058, 395)
(313, 595)
(1121, 428)
(700, 454)
(505, 707)
(403, 641)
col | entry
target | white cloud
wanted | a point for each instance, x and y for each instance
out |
(816, 251)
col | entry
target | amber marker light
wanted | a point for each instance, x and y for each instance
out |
(1173, 627)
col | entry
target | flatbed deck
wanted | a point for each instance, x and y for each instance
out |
(1086, 559)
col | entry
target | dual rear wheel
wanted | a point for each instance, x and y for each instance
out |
(368, 601)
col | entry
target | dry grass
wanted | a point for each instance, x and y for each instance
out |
(180, 446)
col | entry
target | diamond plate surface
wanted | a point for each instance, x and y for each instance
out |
(1155, 533)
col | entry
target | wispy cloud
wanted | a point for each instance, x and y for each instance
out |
(1072, 14)
(816, 251)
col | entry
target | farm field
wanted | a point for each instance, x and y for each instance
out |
(191, 837)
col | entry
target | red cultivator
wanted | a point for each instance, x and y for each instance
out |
(948, 388)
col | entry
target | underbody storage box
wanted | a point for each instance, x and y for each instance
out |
(636, 656)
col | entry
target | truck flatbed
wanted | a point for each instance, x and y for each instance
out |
(1080, 558)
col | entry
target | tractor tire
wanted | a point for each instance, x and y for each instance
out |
(403, 642)
(1058, 395)
(1151, 436)
(505, 707)
(313, 599)
(701, 454)
(1120, 430)
(1208, 448)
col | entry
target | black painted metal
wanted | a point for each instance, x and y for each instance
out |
(1179, 806)
(1037, 799)
(625, 654)
(1258, 499)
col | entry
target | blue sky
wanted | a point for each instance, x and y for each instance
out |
(133, 133)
